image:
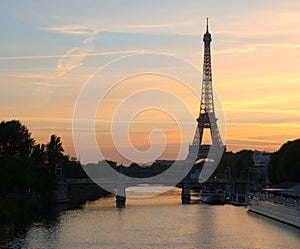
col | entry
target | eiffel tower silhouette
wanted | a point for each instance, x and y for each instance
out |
(207, 118)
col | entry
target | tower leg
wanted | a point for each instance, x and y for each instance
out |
(120, 197)
(185, 194)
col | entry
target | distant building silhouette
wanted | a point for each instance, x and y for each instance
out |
(261, 162)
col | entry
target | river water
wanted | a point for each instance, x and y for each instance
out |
(157, 222)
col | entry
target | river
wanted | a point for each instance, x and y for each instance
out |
(157, 222)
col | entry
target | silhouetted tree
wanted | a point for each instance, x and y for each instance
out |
(54, 151)
(236, 162)
(285, 163)
(15, 139)
(39, 154)
(72, 168)
(25, 166)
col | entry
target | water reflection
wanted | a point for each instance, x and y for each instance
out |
(20, 224)
(160, 222)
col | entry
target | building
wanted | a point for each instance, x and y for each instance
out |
(261, 162)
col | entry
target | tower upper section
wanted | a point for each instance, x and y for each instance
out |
(207, 36)
(207, 102)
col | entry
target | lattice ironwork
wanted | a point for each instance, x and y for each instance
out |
(207, 118)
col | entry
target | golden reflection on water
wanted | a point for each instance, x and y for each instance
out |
(158, 222)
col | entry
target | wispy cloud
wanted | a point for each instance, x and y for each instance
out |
(252, 47)
(73, 58)
(71, 55)
(41, 83)
(31, 75)
(244, 50)
(67, 63)
(70, 29)
(162, 25)
(287, 45)
(88, 30)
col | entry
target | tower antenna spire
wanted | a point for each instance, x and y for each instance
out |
(207, 24)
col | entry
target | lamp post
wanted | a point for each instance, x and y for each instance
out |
(229, 172)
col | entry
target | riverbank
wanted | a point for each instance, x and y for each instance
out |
(79, 195)
(18, 211)
(13, 205)
(16, 205)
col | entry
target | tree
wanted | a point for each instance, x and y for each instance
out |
(244, 159)
(38, 154)
(72, 168)
(236, 162)
(12, 172)
(285, 163)
(15, 139)
(54, 151)
(26, 167)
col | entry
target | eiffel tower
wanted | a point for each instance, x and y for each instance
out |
(207, 118)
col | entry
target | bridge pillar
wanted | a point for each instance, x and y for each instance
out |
(185, 194)
(120, 197)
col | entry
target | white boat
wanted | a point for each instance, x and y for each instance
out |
(212, 196)
(279, 204)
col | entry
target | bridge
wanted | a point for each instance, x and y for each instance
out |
(188, 183)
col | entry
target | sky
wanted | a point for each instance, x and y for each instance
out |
(50, 49)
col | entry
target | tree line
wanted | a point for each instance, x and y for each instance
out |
(233, 163)
(26, 166)
(285, 163)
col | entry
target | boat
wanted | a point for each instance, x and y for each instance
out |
(210, 196)
(279, 204)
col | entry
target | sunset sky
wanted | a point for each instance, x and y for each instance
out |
(49, 49)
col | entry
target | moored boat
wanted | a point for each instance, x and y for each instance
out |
(212, 196)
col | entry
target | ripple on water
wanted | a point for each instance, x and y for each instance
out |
(158, 222)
